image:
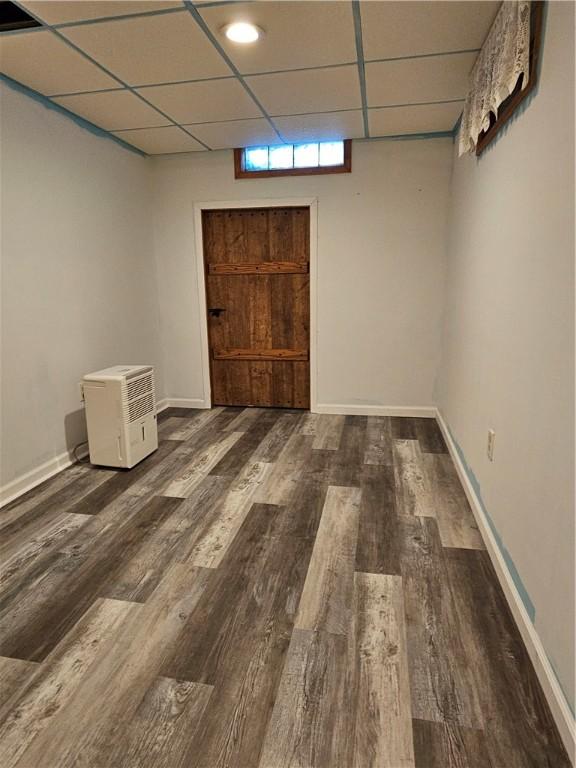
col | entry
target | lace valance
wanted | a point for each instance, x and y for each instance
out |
(505, 56)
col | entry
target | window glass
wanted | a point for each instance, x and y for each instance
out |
(256, 159)
(332, 153)
(289, 159)
(306, 155)
(281, 157)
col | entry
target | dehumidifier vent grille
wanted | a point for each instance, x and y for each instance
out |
(139, 387)
(141, 407)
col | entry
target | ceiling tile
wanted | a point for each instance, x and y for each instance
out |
(151, 49)
(312, 90)
(408, 28)
(113, 110)
(408, 81)
(238, 133)
(57, 12)
(296, 34)
(204, 102)
(47, 64)
(160, 141)
(322, 127)
(424, 118)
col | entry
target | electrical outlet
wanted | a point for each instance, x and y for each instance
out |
(490, 445)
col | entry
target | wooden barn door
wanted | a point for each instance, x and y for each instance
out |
(258, 299)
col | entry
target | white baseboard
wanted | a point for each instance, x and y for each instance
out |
(552, 690)
(48, 469)
(34, 477)
(181, 402)
(161, 405)
(428, 412)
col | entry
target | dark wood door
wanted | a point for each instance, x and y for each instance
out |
(258, 296)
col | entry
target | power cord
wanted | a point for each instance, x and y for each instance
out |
(86, 458)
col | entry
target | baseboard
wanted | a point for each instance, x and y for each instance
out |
(161, 405)
(550, 685)
(427, 412)
(181, 402)
(48, 469)
(34, 477)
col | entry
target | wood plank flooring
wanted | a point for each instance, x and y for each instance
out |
(270, 589)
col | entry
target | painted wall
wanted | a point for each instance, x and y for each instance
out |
(508, 359)
(381, 265)
(78, 282)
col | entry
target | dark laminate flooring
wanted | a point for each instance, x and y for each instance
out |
(270, 589)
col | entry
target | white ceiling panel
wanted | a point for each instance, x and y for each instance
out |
(238, 133)
(47, 64)
(160, 141)
(113, 110)
(314, 90)
(59, 12)
(296, 34)
(203, 102)
(151, 49)
(408, 81)
(424, 118)
(323, 127)
(408, 28)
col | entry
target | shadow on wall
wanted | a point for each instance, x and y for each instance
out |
(75, 429)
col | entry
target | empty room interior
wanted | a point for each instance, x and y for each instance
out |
(287, 392)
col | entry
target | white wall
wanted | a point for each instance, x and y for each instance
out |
(381, 264)
(78, 282)
(508, 359)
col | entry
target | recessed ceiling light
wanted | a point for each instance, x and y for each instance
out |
(242, 32)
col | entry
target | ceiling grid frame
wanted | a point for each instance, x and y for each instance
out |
(208, 32)
(238, 74)
(71, 115)
(106, 71)
(357, 15)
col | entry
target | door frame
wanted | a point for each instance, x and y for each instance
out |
(281, 202)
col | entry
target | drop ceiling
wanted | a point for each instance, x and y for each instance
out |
(162, 77)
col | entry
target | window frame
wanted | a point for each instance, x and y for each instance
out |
(240, 171)
(511, 104)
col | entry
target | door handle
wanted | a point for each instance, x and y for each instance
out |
(216, 311)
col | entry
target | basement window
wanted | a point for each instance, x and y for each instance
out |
(13, 17)
(307, 159)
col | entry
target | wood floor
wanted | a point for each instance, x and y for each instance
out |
(270, 589)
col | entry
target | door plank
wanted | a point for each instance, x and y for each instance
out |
(260, 354)
(267, 267)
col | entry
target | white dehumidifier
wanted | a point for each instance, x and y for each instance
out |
(120, 414)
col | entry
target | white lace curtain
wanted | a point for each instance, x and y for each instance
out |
(504, 57)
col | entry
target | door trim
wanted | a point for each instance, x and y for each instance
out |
(212, 205)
